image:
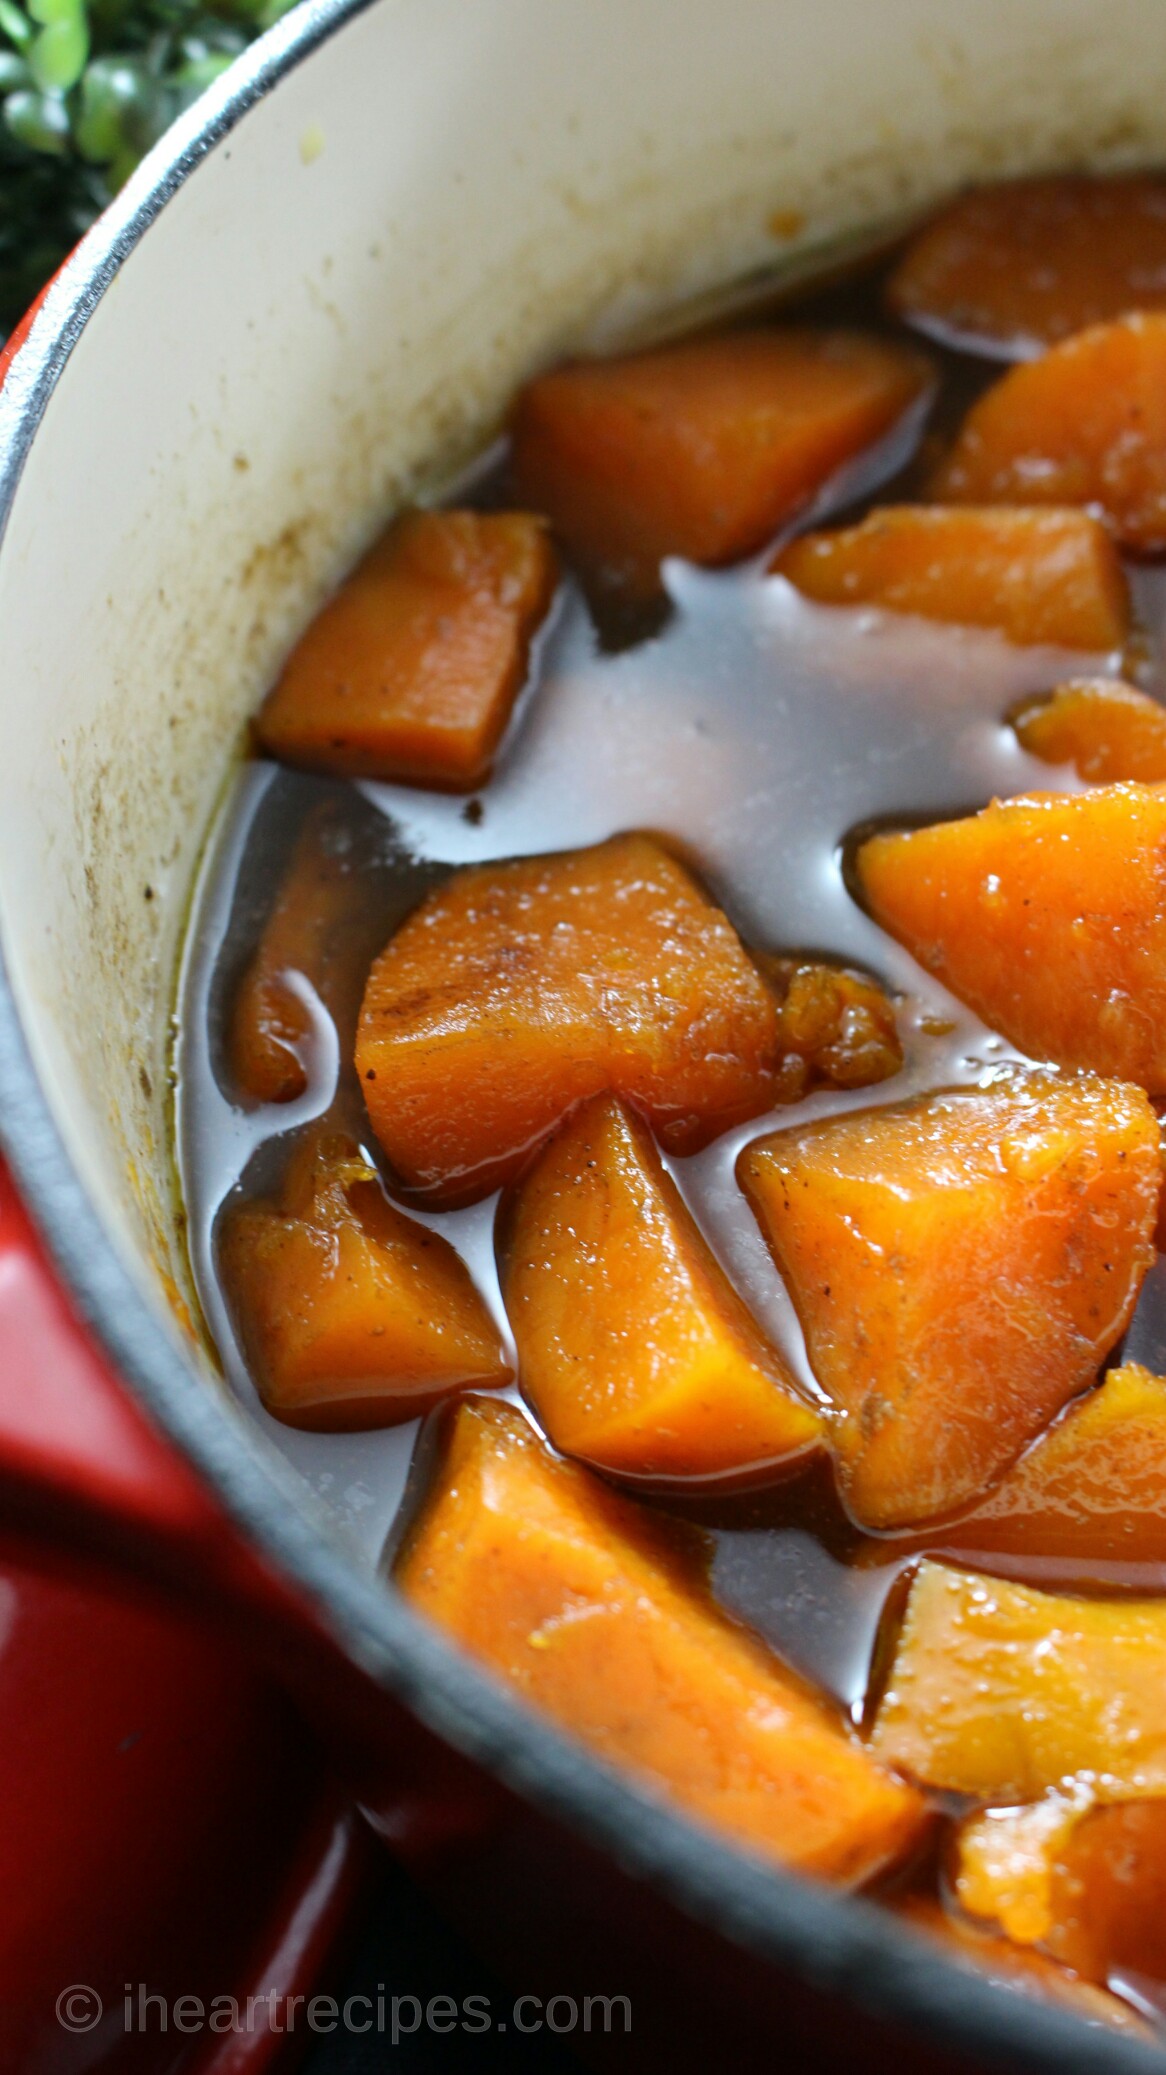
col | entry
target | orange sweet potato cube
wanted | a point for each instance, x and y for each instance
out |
(1017, 267)
(705, 448)
(1047, 915)
(411, 671)
(556, 1584)
(1003, 1692)
(1018, 1967)
(961, 1265)
(320, 929)
(1085, 424)
(517, 990)
(1090, 1494)
(1087, 1884)
(633, 1347)
(1109, 731)
(1037, 576)
(351, 1314)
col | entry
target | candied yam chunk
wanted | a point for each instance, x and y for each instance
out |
(705, 448)
(1089, 1494)
(411, 671)
(1036, 576)
(1003, 1692)
(837, 1028)
(351, 1314)
(1047, 916)
(1014, 268)
(1085, 424)
(319, 930)
(1106, 729)
(517, 990)
(961, 1265)
(1087, 1884)
(1018, 1967)
(633, 1347)
(554, 1582)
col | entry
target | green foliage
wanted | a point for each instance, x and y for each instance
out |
(86, 86)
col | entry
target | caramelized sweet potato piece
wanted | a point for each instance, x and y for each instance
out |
(1017, 267)
(549, 1578)
(1037, 576)
(1003, 1692)
(1085, 424)
(633, 1347)
(836, 1028)
(318, 927)
(1018, 1967)
(1087, 1884)
(702, 449)
(1047, 915)
(351, 1314)
(1109, 731)
(1090, 1494)
(517, 990)
(412, 669)
(961, 1265)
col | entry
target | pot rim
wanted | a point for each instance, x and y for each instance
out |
(839, 1943)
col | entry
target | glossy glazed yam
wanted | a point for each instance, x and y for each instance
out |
(702, 449)
(319, 930)
(1016, 267)
(1087, 1884)
(633, 1347)
(549, 1578)
(1003, 1692)
(1018, 1967)
(412, 669)
(351, 1314)
(961, 1265)
(1047, 915)
(1089, 1494)
(1106, 729)
(1036, 576)
(837, 1028)
(517, 990)
(1085, 424)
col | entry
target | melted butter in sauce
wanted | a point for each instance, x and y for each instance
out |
(756, 730)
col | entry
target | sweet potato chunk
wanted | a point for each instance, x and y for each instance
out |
(1091, 1493)
(1018, 1967)
(1037, 576)
(961, 1265)
(836, 1028)
(517, 990)
(1087, 1884)
(549, 1578)
(702, 449)
(1047, 915)
(1085, 424)
(1019, 266)
(633, 1347)
(410, 673)
(1109, 731)
(320, 928)
(1003, 1692)
(351, 1314)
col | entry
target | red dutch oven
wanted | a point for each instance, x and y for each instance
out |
(312, 300)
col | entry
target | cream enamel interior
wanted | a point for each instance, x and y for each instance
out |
(330, 314)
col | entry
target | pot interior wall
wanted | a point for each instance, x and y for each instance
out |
(327, 316)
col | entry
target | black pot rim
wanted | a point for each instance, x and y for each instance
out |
(838, 1943)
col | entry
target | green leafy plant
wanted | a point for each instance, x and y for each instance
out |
(86, 86)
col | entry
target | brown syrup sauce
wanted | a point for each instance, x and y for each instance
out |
(756, 731)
